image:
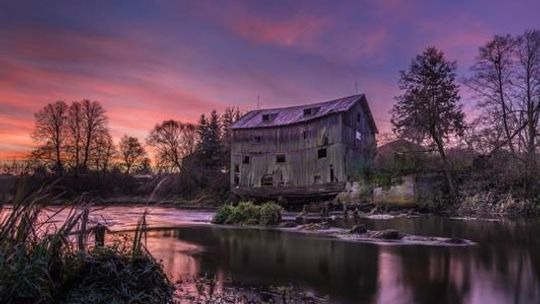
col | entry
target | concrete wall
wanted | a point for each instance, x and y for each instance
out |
(401, 194)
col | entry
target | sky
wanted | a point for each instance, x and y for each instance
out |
(147, 61)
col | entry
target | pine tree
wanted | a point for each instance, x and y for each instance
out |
(209, 148)
(429, 108)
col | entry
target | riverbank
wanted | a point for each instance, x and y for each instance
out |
(209, 290)
(43, 260)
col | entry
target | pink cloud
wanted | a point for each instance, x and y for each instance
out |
(296, 31)
(308, 32)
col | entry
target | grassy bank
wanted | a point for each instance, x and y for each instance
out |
(46, 262)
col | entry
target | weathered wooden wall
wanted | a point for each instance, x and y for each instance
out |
(359, 154)
(300, 143)
(301, 164)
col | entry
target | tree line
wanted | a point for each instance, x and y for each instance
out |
(505, 80)
(75, 138)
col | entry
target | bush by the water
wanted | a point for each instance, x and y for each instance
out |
(247, 213)
(40, 262)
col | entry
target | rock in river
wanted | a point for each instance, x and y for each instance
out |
(359, 229)
(388, 234)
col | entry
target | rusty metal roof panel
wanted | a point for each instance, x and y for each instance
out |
(295, 114)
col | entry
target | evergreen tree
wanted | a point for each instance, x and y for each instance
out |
(209, 148)
(429, 108)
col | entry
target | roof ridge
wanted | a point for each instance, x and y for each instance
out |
(294, 114)
(306, 104)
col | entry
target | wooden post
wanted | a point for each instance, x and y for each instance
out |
(99, 234)
(326, 209)
(81, 238)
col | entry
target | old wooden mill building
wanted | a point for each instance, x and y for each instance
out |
(302, 152)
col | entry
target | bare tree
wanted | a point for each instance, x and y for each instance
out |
(75, 134)
(103, 152)
(132, 153)
(94, 122)
(528, 56)
(429, 107)
(228, 118)
(50, 133)
(173, 141)
(492, 81)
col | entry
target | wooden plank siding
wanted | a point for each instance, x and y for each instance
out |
(285, 160)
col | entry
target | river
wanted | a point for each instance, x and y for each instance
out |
(503, 266)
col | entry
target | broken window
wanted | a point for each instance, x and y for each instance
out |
(280, 158)
(358, 135)
(245, 160)
(325, 140)
(236, 168)
(267, 180)
(321, 153)
(269, 117)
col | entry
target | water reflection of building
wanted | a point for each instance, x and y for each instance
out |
(271, 257)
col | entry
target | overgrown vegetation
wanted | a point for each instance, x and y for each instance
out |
(41, 262)
(491, 163)
(206, 292)
(247, 213)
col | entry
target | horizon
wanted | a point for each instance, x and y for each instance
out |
(151, 61)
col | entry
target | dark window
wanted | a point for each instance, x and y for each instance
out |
(311, 111)
(316, 179)
(236, 168)
(305, 134)
(236, 180)
(331, 174)
(258, 139)
(321, 153)
(245, 160)
(280, 158)
(358, 117)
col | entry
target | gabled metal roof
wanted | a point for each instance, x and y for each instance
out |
(291, 115)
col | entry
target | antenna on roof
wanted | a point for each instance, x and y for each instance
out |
(258, 102)
(356, 86)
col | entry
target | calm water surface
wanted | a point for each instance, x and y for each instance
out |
(504, 266)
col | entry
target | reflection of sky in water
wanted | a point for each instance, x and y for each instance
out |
(503, 268)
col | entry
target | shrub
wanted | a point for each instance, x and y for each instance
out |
(270, 214)
(247, 213)
(244, 213)
(222, 215)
